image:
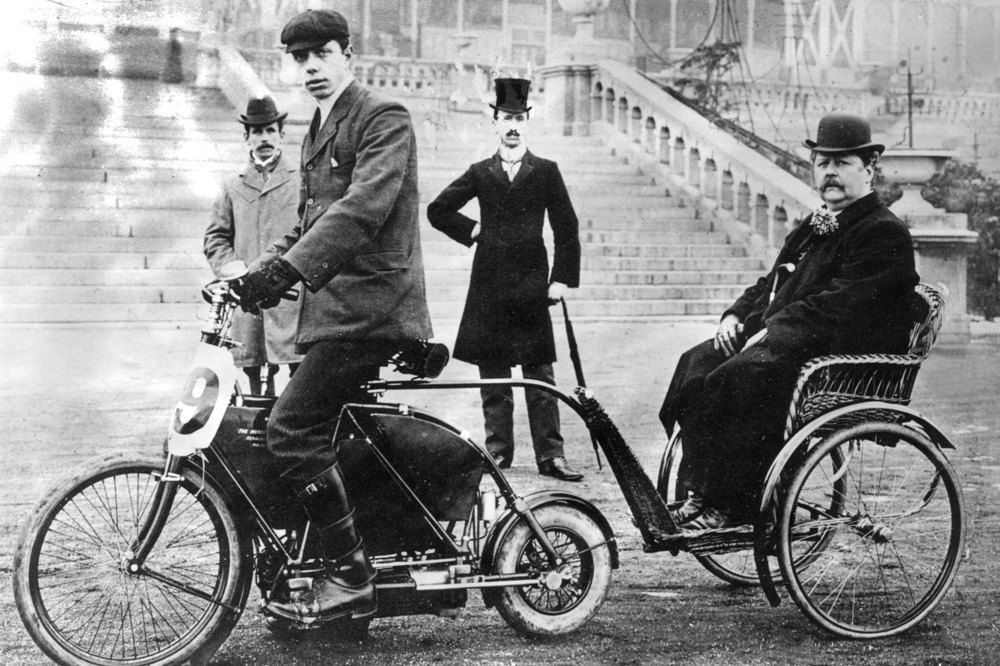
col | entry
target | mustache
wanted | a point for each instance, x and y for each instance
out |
(831, 182)
(513, 133)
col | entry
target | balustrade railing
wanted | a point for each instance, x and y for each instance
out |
(744, 188)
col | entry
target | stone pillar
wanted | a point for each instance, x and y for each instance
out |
(567, 98)
(568, 77)
(943, 241)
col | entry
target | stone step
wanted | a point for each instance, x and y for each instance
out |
(197, 194)
(191, 292)
(184, 254)
(727, 278)
(88, 169)
(437, 277)
(661, 236)
(706, 265)
(441, 311)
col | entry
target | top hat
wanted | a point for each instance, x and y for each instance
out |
(512, 95)
(261, 111)
(313, 28)
(842, 133)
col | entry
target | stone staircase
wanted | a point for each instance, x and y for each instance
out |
(107, 187)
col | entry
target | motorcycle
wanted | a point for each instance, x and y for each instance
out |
(149, 558)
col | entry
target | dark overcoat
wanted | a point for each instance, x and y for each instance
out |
(249, 215)
(357, 243)
(506, 318)
(851, 292)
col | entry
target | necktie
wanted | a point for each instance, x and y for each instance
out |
(510, 167)
(314, 126)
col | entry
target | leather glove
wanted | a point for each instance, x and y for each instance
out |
(264, 287)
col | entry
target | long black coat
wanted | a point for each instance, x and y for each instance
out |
(506, 319)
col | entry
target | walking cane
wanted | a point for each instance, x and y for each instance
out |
(574, 355)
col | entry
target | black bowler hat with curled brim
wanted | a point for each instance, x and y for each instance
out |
(843, 133)
(313, 28)
(512, 95)
(261, 111)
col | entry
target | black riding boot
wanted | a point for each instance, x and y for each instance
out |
(345, 586)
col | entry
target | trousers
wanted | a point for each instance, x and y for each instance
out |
(731, 412)
(543, 412)
(302, 423)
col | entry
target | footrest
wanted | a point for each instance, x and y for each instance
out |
(705, 542)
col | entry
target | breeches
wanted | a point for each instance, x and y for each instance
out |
(302, 423)
(732, 416)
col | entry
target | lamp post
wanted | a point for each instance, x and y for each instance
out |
(909, 95)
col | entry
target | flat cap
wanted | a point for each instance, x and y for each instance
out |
(313, 28)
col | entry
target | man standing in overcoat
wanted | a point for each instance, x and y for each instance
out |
(356, 248)
(253, 210)
(842, 284)
(506, 320)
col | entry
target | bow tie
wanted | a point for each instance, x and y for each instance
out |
(511, 162)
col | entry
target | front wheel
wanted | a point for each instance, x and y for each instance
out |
(567, 596)
(76, 592)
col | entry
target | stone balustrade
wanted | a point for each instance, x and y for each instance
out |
(967, 106)
(423, 78)
(750, 196)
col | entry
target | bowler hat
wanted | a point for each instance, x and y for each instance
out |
(313, 28)
(261, 111)
(842, 133)
(512, 95)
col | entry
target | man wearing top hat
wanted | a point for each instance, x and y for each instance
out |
(506, 319)
(356, 250)
(253, 210)
(842, 284)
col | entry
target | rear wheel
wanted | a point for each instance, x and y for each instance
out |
(567, 596)
(892, 541)
(73, 584)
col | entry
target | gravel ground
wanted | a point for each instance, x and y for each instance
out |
(72, 392)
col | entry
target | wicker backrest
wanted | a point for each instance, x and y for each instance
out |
(828, 382)
(925, 332)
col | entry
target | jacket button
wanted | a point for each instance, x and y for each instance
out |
(309, 201)
(326, 265)
(309, 167)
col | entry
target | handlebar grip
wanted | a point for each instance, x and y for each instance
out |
(291, 295)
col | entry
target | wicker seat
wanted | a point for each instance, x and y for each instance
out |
(826, 383)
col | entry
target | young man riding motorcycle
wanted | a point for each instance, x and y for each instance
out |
(356, 248)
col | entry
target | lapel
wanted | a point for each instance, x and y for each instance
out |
(279, 176)
(252, 182)
(527, 166)
(495, 167)
(329, 128)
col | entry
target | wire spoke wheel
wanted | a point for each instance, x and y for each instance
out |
(567, 595)
(892, 538)
(85, 600)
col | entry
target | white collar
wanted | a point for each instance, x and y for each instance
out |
(326, 104)
(515, 154)
(265, 164)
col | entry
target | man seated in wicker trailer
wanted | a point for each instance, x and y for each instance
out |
(842, 284)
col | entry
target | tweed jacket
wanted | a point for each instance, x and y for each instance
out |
(506, 318)
(357, 241)
(851, 291)
(248, 216)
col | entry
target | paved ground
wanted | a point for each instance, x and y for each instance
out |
(71, 392)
